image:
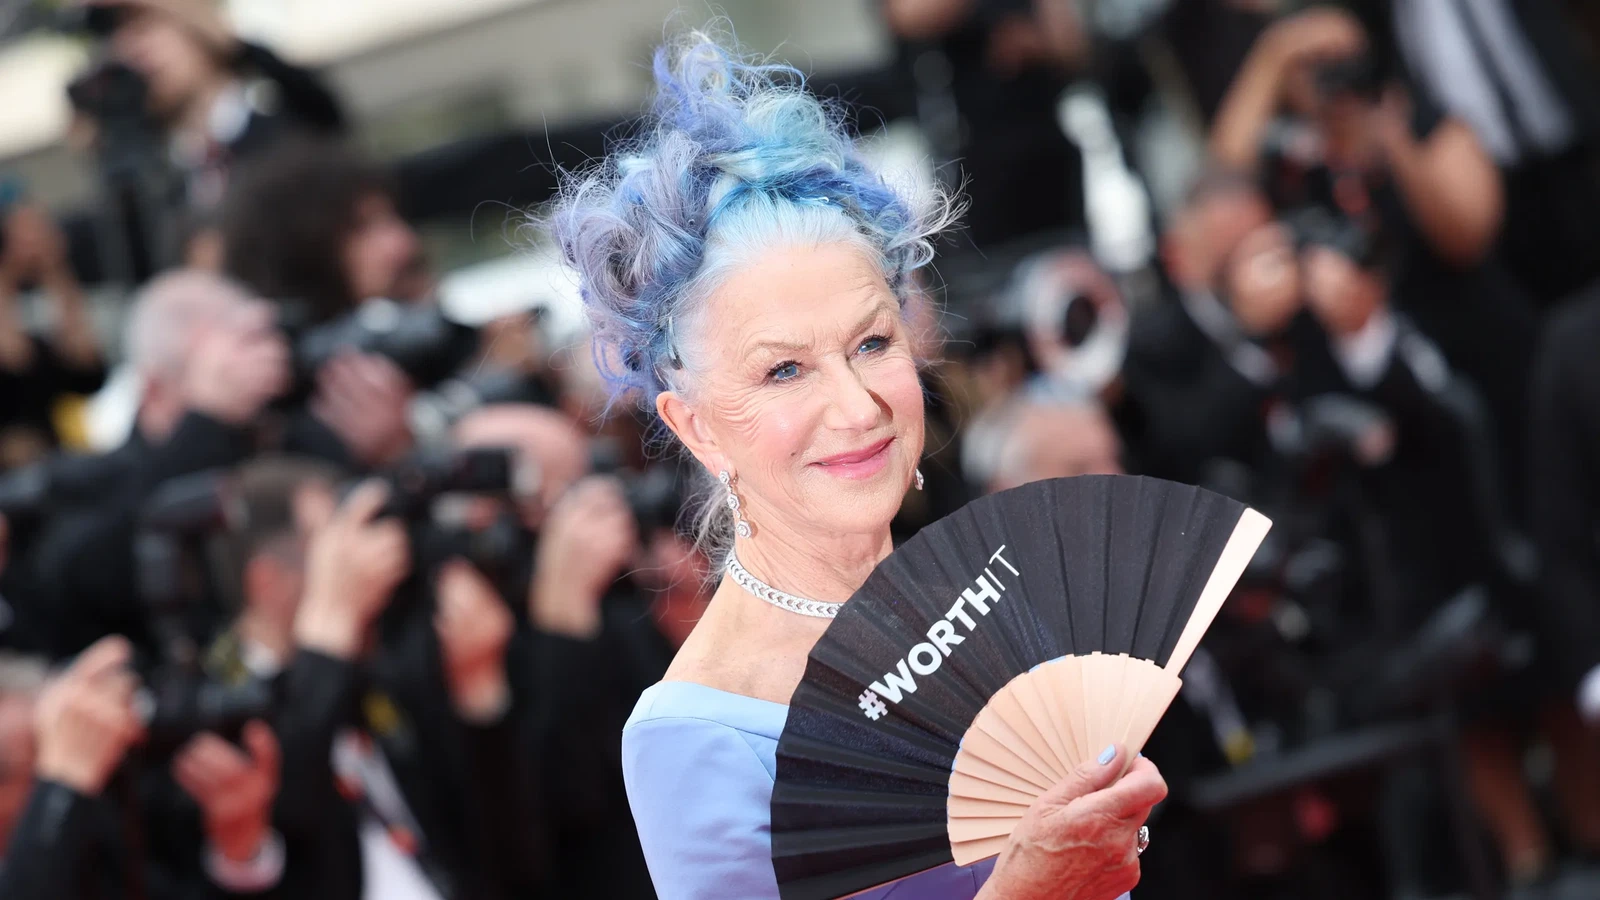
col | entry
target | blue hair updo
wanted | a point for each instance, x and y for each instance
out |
(734, 156)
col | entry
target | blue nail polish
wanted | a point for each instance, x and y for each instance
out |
(1108, 754)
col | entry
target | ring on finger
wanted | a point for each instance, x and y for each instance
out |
(1142, 843)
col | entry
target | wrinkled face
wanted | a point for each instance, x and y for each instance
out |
(175, 64)
(804, 386)
(382, 256)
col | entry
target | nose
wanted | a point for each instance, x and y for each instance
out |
(853, 405)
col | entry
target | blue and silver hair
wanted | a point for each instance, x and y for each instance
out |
(733, 157)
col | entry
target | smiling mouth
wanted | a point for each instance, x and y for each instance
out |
(859, 462)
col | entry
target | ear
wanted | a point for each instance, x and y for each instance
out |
(692, 429)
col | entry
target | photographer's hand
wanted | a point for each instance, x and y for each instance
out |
(365, 399)
(474, 626)
(1341, 295)
(352, 567)
(85, 720)
(235, 789)
(1313, 36)
(587, 539)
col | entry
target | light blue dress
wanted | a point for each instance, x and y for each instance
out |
(699, 765)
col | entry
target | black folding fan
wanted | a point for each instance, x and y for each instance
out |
(982, 660)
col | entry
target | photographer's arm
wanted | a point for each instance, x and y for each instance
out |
(925, 20)
(16, 347)
(1447, 181)
(352, 568)
(1253, 99)
(84, 723)
(475, 629)
(73, 340)
(46, 850)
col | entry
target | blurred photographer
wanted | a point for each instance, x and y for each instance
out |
(215, 98)
(1318, 113)
(1201, 372)
(613, 589)
(405, 766)
(989, 74)
(34, 371)
(1517, 73)
(70, 839)
(316, 223)
(315, 227)
(210, 360)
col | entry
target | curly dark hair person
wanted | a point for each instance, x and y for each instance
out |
(287, 216)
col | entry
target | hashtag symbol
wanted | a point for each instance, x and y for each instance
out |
(872, 706)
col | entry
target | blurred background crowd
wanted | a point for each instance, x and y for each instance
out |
(327, 571)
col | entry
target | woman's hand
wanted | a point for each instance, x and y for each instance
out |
(1079, 841)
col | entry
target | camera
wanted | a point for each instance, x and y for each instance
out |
(417, 338)
(1074, 319)
(655, 496)
(1317, 226)
(181, 699)
(424, 493)
(1356, 76)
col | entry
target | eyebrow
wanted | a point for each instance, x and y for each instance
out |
(792, 346)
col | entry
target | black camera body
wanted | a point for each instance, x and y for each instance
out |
(1317, 226)
(181, 697)
(416, 337)
(655, 496)
(502, 549)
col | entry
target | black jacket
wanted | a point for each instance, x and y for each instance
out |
(1564, 484)
(585, 691)
(82, 570)
(87, 848)
(471, 788)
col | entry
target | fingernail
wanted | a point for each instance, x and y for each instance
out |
(1108, 754)
(1141, 756)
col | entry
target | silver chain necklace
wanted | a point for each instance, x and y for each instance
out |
(820, 609)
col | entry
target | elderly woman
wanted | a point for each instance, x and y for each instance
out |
(748, 274)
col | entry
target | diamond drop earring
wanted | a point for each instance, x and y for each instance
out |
(741, 526)
(917, 478)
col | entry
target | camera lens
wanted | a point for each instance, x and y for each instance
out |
(1078, 320)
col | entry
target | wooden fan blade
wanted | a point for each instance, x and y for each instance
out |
(1135, 686)
(1011, 724)
(966, 853)
(1236, 555)
(1161, 688)
(1094, 691)
(1066, 685)
(978, 829)
(1114, 702)
(1029, 697)
(973, 808)
(983, 770)
(982, 745)
(963, 784)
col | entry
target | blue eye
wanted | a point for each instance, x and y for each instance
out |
(874, 344)
(784, 371)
